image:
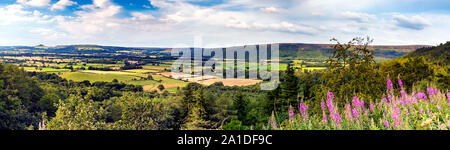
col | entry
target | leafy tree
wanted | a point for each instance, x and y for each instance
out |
(409, 70)
(98, 94)
(310, 88)
(289, 88)
(199, 107)
(272, 97)
(233, 125)
(352, 69)
(129, 65)
(139, 114)
(188, 94)
(47, 103)
(19, 98)
(77, 113)
(149, 77)
(195, 119)
(137, 111)
(160, 87)
(240, 105)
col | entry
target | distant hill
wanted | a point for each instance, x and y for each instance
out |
(438, 54)
(320, 52)
(80, 49)
(288, 51)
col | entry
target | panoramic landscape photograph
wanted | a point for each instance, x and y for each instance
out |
(215, 65)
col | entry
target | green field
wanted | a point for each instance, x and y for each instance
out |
(45, 69)
(132, 76)
(169, 83)
(126, 77)
(156, 68)
(93, 77)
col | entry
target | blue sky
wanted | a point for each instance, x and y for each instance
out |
(173, 23)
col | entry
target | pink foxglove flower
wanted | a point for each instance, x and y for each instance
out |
(386, 124)
(324, 116)
(330, 96)
(322, 104)
(348, 110)
(357, 102)
(448, 97)
(291, 113)
(431, 91)
(355, 113)
(421, 96)
(371, 107)
(274, 123)
(395, 115)
(303, 109)
(389, 84)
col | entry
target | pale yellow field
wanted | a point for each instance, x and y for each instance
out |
(231, 82)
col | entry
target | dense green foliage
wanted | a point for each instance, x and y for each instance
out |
(19, 99)
(424, 65)
(436, 54)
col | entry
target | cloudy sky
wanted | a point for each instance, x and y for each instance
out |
(220, 23)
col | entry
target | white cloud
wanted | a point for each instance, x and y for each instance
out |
(141, 16)
(15, 13)
(269, 10)
(415, 22)
(101, 3)
(161, 3)
(278, 27)
(189, 13)
(34, 3)
(62, 4)
(91, 20)
(358, 17)
(48, 34)
(179, 12)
